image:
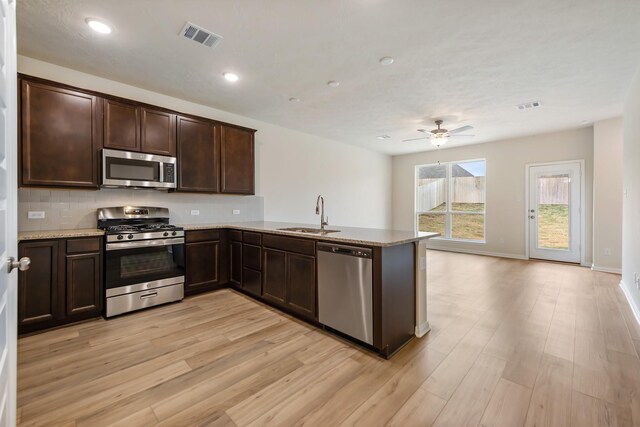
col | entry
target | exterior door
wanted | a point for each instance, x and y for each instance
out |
(8, 212)
(554, 212)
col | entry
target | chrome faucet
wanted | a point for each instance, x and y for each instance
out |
(320, 211)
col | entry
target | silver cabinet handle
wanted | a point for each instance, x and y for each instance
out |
(22, 265)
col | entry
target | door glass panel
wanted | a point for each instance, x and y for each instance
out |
(553, 211)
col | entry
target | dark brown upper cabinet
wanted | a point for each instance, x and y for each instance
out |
(60, 136)
(130, 127)
(198, 155)
(237, 160)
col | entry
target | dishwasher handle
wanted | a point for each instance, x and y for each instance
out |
(354, 251)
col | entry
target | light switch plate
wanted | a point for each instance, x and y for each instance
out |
(236, 211)
(195, 212)
(36, 215)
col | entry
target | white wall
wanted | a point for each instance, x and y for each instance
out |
(505, 201)
(607, 195)
(631, 198)
(292, 167)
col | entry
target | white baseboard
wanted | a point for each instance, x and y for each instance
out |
(476, 252)
(606, 269)
(422, 329)
(634, 307)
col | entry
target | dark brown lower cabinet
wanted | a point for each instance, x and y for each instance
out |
(63, 283)
(205, 267)
(290, 281)
(39, 296)
(235, 252)
(83, 269)
(252, 268)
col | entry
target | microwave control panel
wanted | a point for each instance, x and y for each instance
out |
(169, 172)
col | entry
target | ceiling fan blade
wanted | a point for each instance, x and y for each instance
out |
(458, 135)
(460, 129)
(415, 139)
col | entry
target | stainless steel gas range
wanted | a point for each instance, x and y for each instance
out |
(144, 258)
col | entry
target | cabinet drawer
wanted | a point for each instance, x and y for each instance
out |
(291, 244)
(77, 246)
(202, 236)
(252, 256)
(235, 235)
(252, 238)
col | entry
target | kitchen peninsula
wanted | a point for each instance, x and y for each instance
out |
(281, 268)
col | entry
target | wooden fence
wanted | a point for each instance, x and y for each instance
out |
(553, 191)
(432, 192)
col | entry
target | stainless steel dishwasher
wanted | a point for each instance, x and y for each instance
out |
(345, 290)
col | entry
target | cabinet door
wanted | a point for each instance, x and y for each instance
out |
(236, 160)
(252, 281)
(83, 273)
(121, 125)
(39, 293)
(201, 261)
(60, 136)
(157, 132)
(236, 262)
(275, 275)
(301, 284)
(198, 162)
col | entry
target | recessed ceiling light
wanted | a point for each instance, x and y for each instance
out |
(333, 83)
(386, 60)
(98, 26)
(293, 99)
(383, 137)
(231, 77)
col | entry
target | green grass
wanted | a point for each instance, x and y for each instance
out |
(553, 225)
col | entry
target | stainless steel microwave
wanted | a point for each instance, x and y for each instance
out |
(137, 170)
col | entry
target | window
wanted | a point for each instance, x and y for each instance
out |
(450, 199)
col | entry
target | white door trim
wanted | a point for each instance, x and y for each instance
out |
(583, 249)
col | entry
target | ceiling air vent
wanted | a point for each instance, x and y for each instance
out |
(200, 35)
(529, 105)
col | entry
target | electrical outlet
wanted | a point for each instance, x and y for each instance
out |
(236, 211)
(607, 251)
(36, 215)
(195, 212)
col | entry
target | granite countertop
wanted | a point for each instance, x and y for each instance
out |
(59, 234)
(353, 235)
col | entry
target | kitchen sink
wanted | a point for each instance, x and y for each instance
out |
(309, 230)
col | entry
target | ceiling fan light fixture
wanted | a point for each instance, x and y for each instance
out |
(439, 140)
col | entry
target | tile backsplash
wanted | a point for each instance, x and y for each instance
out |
(70, 209)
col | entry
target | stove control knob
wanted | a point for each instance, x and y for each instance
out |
(173, 233)
(120, 237)
(130, 236)
(166, 233)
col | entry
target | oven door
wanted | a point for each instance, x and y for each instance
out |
(147, 263)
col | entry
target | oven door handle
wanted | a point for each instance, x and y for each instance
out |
(143, 244)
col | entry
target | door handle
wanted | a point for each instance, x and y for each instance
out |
(153, 295)
(23, 264)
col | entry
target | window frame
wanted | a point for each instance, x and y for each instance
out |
(448, 222)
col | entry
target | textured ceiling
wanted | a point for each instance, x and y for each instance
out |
(469, 62)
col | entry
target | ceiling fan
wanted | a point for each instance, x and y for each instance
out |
(440, 136)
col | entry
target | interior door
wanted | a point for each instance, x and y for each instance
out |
(554, 212)
(8, 212)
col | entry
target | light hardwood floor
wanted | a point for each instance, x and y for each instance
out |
(513, 343)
